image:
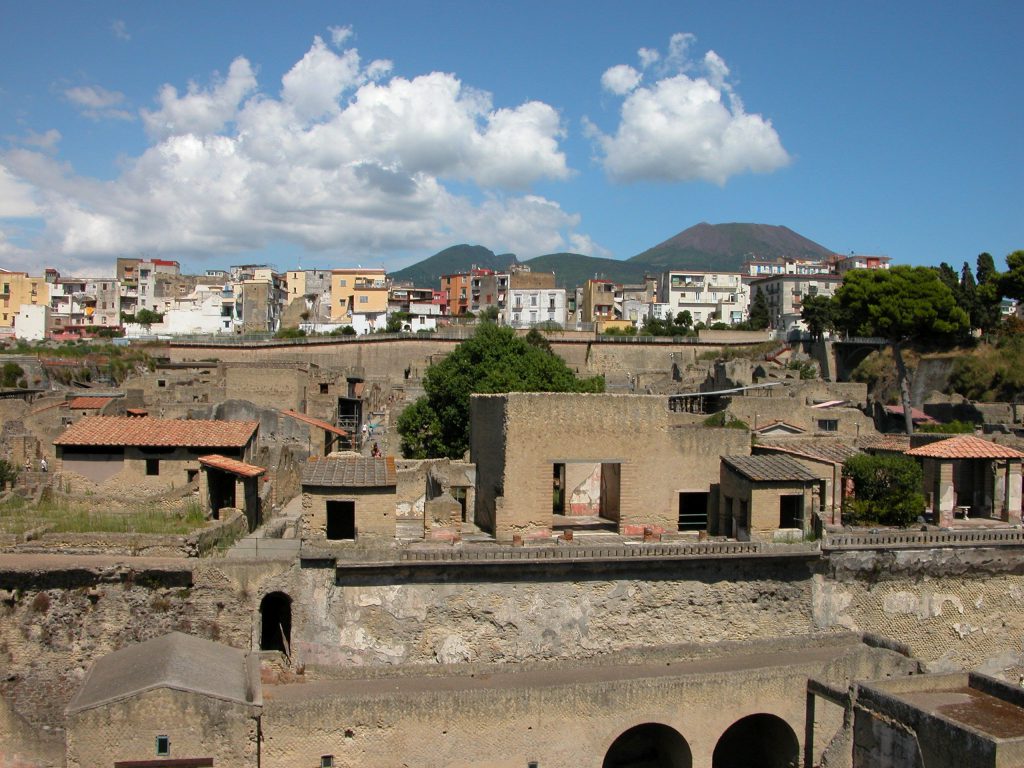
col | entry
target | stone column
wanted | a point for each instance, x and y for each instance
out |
(1013, 492)
(945, 496)
(204, 490)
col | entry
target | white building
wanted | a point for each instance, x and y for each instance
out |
(31, 322)
(528, 306)
(786, 294)
(709, 297)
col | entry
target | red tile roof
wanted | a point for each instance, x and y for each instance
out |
(965, 447)
(190, 433)
(916, 415)
(892, 443)
(324, 425)
(88, 403)
(234, 466)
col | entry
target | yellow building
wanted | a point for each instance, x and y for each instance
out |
(359, 297)
(20, 288)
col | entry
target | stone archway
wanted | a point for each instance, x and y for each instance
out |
(763, 740)
(276, 623)
(650, 745)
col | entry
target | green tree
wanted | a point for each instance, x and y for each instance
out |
(902, 304)
(988, 312)
(1011, 282)
(888, 490)
(10, 374)
(759, 316)
(817, 313)
(489, 314)
(493, 360)
(147, 317)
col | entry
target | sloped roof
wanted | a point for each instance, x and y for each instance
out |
(351, 472)
(895, 443)
(88, 403)
(917, 415)
(324, 425)
(770, 469)
(234, 466)
(965, 447)
(177, 661)
(780, 426)
(816, 450)
(190, 433)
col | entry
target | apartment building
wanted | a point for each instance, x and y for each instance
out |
(17, 289)
(359, 297)
(786, 294)
(709, 297)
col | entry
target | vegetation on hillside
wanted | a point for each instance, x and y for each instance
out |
(994, 371)
(494, 360)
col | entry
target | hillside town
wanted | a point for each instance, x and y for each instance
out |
(151, 297)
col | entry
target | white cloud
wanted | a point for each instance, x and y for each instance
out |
(120, 29)
(683, 127)
(339, 35)
(98, 103)
(344, 160)
(648, 57)
(17, 199)
(201, 111)
(620, 79)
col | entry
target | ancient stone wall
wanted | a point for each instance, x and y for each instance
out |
(197, 726)
(658, 455)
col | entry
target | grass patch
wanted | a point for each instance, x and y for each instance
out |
(18, 516)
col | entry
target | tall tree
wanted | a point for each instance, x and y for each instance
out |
(493, 360)
(968, 296)
(760, 316)
(817, 313)
(1011, 283)
(901, 304)
(988, 312)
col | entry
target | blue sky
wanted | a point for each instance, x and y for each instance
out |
(336, 134)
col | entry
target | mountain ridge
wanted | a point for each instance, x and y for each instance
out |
(703, 246)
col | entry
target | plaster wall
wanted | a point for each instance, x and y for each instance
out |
(198, 726)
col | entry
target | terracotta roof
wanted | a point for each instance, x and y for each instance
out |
(966, 447)
(917, 416)
(324, 425)
(351, 472)
(234, 466)
(770, 469)
(833, 453)
(88, 403)
(895, 443)
(125, 430)
(136, 411)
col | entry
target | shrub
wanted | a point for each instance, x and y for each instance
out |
(723, 419)
(41, 603)
(887, 488)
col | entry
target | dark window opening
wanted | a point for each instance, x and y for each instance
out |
(324, 387)
(558, 489)
(828, 425)
(791, 511)
(276, 623)
(161, 383)
(152, 467)
(341, 520)
(191, 474)
(163, 746)
(693, 511)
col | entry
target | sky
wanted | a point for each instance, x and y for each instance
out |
(341, 134)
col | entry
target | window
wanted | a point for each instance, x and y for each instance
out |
(341, 520)
(324, 387)
(327, 761)
(161, 382)
(342, 283)
(163, 746)
(152, 467)
(364, 299)
(533, 300)
(828, 425)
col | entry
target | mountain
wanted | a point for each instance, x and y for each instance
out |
(572, 269)
(457, 258)
(727, 246)
(702, 247)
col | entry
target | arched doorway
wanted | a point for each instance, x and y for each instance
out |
(763, 740)
(276, 623)
(651, 745)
